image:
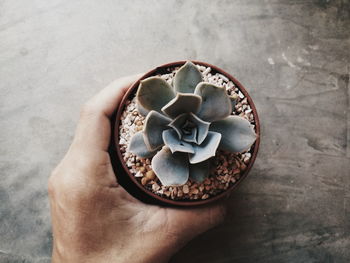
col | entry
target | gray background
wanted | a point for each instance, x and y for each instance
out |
(291, 55)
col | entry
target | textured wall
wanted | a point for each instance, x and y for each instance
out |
(293, 57)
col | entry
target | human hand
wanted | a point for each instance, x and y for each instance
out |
(96, 220)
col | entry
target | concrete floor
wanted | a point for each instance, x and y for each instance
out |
(293, 56)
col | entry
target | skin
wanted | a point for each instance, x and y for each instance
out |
(96, 220)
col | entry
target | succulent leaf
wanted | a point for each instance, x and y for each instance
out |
(153, 93)
(155, 124)
(171, 139)
(179, 123)
(171, 168)
(137, 146)
(207, 149)
(187, 78)
(237, 133)
(200, 171)
(182, 103)
(141, 109)
(202, 128)
(191, 137)
(216, 104)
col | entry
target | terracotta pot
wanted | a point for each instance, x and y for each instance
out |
(129, 182)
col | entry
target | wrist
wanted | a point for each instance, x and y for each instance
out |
(142, 251)
(148, 251)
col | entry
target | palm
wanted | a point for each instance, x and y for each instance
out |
(174, 221)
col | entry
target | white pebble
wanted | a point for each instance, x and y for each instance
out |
(223, 77)
(207, 71)
(138, 174)
(155, 187)
(230, 84)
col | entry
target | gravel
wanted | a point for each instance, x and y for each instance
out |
(226, 168)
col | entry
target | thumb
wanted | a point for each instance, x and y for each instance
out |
(94, 127)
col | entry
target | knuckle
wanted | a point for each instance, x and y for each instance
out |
(56, 180)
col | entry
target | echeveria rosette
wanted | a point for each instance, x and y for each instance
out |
(185, 124)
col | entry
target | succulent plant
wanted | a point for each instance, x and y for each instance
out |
(185, 124)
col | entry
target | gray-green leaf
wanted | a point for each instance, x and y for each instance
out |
(182, 103)
(187, 78)
(138, 147)
(171, 168)
(171, 139)
(191, 137)
(207, 149)
(200, 171)
(202, 126)
(216, 104)
(153, 93)
(141, 109)
(237, 133)
(155, 124)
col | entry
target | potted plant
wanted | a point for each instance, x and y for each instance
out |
(186, 133)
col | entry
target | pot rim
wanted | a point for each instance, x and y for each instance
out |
(185, 203)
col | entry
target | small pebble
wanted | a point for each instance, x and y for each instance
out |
(150, 175)
(205, 196)
(155, 187)
(194, 191)
(144, 180)
(185, 189)
(206, 72)
(236, 171)
(138, 174)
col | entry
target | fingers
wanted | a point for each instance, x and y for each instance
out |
(192, 222)
(185, 224)
(94, 128)
(210, 217)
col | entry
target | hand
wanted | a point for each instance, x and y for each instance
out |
(96, 220)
